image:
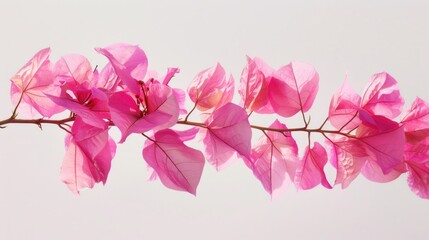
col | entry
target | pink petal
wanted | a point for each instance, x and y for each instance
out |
(178, 166)
(82, 167)
(210, 89)
(126, 115)
(344, 107)
(310, 170)
(274, 160)
(92, 110)
(228, 132)
(373, 172)
(253, 87)
(129, 62)
(170, 74)
(293, 88)
(73, 70)
(383, 146)
(31, 84)
(107, 79)
(382, 96)
(416, 121)
(347, 155)
(417, 161)
(162, 100)
(180, 96)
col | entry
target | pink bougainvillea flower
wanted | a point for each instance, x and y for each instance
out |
(274, 160)
(130, 64)
(129, 118)
(310, 171)
(293, 88)
(178, 166)
(253, 87)
(227, 132)
(90, 104)
(89, 152)
(382, 96)
(210, 89)
(343, 110)
(416, 126)
(30, 85)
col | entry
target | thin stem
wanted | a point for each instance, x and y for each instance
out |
(347, 123)
(60, 122)
(186, 118)
(16, 107)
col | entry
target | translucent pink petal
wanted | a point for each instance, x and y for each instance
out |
(416, 121)
(127, 116)
(210, 89)
(347, 156)
(162, 100)
(383, 146)
(92, 110)
(293, 88)
(107, 79)
(253, 87)
(130, 63)
(73, 70)
(30, 85)
(81, 170)
(382, 96)
(274, 160)
(228, 132)
(178, 166)
(344, 107)
(170, 74)
(416, 126)
(310, 171)
(417, 161)
(180, 98)
(373, 172)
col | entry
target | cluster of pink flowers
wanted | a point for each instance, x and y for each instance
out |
(363, 138)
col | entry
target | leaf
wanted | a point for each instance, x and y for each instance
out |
(130, 63)
(274, 160)
(210, 89)
(310, 172)
(382, 96)
(30, 85)
(89, 152)
(293, 88)
(343, 109)
(253, 87)
(127, 116)
(178, 166)
(227, 132)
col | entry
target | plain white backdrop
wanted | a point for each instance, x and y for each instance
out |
(357, 38)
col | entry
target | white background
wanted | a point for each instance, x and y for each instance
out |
(357, 38)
